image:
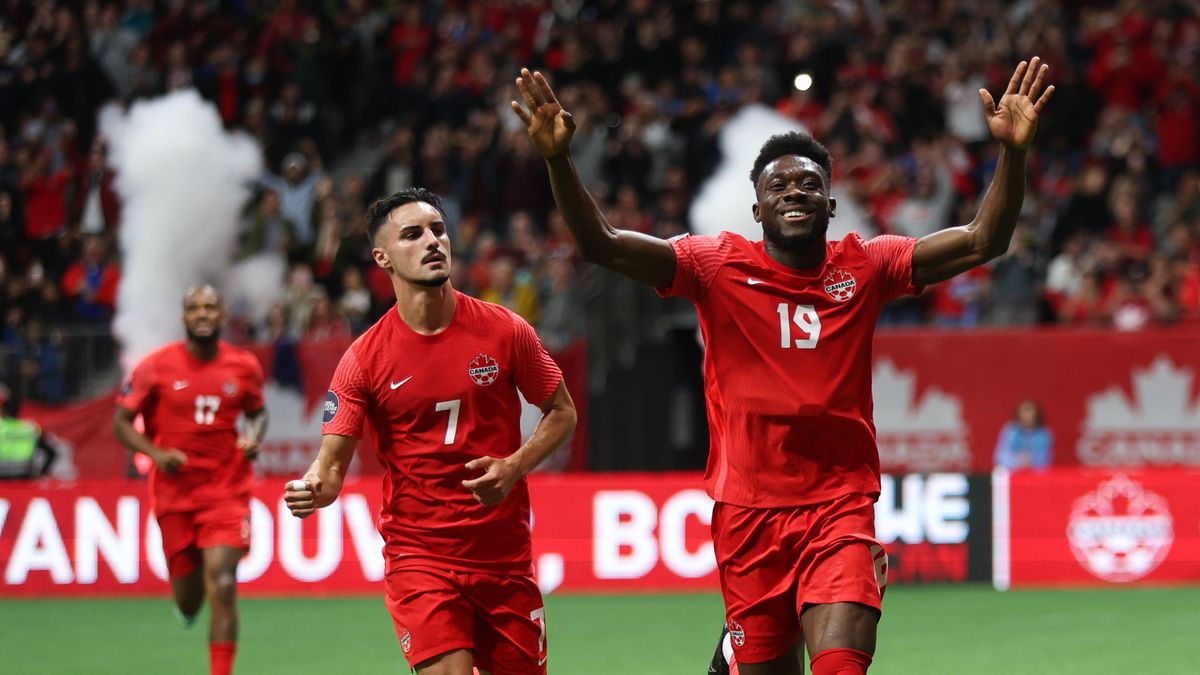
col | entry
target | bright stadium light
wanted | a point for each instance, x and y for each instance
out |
(803, 81)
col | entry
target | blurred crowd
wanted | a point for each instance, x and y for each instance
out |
(1109, 236)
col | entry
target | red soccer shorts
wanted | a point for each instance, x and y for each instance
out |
(775, 561)
(500, 617)
(186, 533)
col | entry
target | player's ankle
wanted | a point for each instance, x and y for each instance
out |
(188, 620)
(840, 661)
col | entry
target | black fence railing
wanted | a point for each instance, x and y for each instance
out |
(58, 363)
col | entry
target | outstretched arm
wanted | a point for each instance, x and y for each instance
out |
(640, 257)
(1013, 122)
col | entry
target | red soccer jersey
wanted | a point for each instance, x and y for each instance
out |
(193, 406)
(435, 402)
(787, 368)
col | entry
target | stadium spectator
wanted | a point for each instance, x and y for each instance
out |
(355, 300)
(25, 452)
(96, 208)
(504, 288)
(267, 229)
(301, 296)
(297, 190)
(92, 281)
(1015, 288)
(1025, 442)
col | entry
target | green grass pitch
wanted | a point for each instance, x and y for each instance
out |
(930, 630)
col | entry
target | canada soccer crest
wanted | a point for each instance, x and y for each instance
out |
(483, 370)
(405, 640)
(736, 634)
(1121, 531)
(840, 284)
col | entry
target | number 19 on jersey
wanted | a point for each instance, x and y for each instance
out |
(805, 319)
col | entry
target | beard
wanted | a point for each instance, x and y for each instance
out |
(204, 340)
(796, 242)
(434, 282)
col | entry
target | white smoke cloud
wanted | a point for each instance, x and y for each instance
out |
(254, 285)
(724, 200)
(183, 181)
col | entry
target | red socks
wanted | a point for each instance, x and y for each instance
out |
(220, 656)
(840, 662)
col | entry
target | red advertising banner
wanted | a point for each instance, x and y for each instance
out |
(1096, 527)
(1109, 398)
(591, 532)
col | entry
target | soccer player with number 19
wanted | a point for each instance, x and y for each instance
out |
(788, 322)
(438, 379)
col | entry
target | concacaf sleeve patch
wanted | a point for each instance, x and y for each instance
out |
(331, 406)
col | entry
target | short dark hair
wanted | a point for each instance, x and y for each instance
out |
(800, 143)
(205, 286)
(377, 213)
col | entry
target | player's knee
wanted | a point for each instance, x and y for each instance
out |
(222, 586)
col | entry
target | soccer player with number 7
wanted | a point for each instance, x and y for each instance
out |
(438, 379)
(788, 322)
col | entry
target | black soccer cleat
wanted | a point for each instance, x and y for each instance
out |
(719, 666)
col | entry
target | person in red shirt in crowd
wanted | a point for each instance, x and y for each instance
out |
(45, 196)
(438, 378)
(1129, 232)
(190, 395)
(1087, 306)
(409, 42)
(92, 281)
(1177, 123)
(788, 322)
(95, 207)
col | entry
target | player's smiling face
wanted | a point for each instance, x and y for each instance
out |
(793, 205)
(414, 246)
(203, 315)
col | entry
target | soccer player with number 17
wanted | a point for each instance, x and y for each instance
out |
(788, 322)
(191, 395)
(438, 379)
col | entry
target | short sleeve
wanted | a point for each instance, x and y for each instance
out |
(253, 401)
(697, 259)
(139, 389)
(892, 255)
(346, 400)
(535, 372)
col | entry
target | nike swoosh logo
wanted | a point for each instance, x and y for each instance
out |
(542, 661)
(751, 281)
(397, 385)
(180, 385)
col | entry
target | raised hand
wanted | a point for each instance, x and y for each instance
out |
(550, 127)
(1013, 121)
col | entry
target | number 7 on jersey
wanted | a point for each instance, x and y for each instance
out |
(452, 423)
